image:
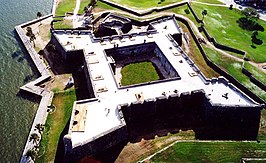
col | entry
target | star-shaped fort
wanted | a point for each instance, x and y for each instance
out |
(181, 99)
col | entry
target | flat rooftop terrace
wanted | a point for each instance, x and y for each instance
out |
(102, 115)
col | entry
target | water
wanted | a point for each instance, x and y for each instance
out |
(16, 113)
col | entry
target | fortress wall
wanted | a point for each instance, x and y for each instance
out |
(165, 63)
(58, 46)
(96, 145)
(131, 51)
(187, 111)
(163, 114)
(230, 122)
(190, 111)
(148, 50)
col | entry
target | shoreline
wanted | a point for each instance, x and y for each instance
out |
(32, 87)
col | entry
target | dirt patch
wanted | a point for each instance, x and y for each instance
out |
(133, 152)
(58, 83)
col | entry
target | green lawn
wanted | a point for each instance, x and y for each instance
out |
(211, 152)
(258, 74)
(210, 1)
(101, 5)
(63, 24)
(221, 24)
(83, 3)
(197, 58)
(234, 68)
(145, 4)
(136, 73)
(65, 6)
(55, 124)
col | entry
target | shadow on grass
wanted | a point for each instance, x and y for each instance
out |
(59, 156)
(253, 46)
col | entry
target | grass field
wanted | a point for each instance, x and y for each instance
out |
(83, 3)
(221, 24)
(55, 124)
(234, 68)
(210, 1)
(65, 6)
(211, 152)
(144, 4)
(197, 58)
(136, 73)
(258, 74)
(64, 24)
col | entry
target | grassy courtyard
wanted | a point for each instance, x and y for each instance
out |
(55, 125)
(136, 73)
(211, 152)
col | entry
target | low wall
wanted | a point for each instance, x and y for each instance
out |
(220, 46)
(145, 12)
(253, 79)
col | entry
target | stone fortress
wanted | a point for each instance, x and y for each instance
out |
(183, 98)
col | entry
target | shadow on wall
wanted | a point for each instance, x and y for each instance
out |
(170, 115)
(178, 113)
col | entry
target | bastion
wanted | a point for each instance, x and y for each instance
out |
(184, 99)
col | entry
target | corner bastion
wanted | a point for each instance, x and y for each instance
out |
(213, 108)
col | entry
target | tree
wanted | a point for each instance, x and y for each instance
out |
(39, 14)
(250, 13)
(29, 31)
(255, 34)
(254, 37)
(204, 13)
(32, 153)
(231, 7)
(50, 47)
(86, 9)
(39, 127)
(92, 3)
(32, 38)
(30, 34)
(35, 138)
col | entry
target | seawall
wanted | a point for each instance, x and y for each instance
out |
(33, 87)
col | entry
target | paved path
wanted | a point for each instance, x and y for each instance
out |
(55, 3)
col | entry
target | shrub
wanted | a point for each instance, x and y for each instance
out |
(187, 11)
